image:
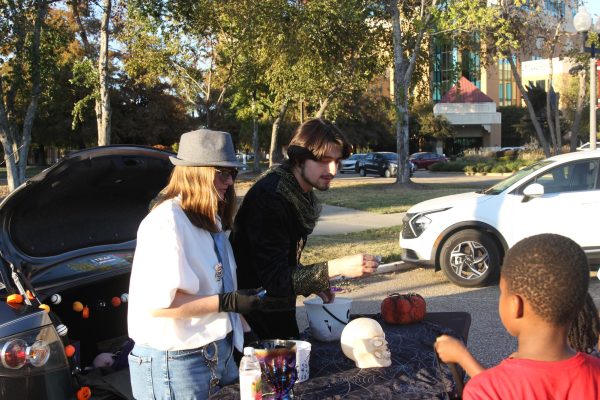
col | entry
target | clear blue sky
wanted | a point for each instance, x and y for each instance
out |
(593, 7)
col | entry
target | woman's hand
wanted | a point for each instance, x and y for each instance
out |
(353, 266)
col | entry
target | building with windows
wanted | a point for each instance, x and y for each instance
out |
(476, 121)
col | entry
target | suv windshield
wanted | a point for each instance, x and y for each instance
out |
(391, 156)
(503, 185)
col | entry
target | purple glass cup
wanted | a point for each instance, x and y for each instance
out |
(277, 360)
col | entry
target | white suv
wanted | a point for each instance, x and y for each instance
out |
(466, 235)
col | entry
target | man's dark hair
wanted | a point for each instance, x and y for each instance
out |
(551, 272)
(311, 139)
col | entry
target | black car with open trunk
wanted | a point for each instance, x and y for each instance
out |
(67, 240)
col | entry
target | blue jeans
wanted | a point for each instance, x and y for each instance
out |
(182, 374)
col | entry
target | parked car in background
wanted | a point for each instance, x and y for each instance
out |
(351, 163)
(381, 163)
(67, 241)
(586, 146)
(425, 159)
(245, 157)
(466, 235)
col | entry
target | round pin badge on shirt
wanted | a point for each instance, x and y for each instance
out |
(219, 272)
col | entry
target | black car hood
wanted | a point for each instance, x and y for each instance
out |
(91, 200)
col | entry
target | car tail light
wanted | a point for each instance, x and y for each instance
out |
(38, 353)
(13, 354)
(33, 352)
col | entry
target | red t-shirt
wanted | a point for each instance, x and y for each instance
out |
(577, 378)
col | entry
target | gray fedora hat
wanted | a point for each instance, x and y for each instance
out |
(206, 148)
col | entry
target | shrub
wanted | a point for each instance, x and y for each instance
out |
(451, 166)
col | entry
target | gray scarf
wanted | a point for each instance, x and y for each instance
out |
(307, 206)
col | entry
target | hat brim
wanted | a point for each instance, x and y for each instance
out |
(184, 163)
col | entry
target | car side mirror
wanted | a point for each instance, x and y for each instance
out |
(532, 191)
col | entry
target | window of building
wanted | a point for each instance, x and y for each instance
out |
(449, 64)
(506, 84)
(555, 8)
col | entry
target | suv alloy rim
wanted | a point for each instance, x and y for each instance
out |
(469, 260)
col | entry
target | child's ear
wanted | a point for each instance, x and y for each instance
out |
(517, 306)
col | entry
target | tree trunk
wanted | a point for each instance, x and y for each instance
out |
(16, 147)
(579, 110)
(255, 146)
(104, 133)
(534, 120)
(275, 154)
(326, 102)
(550, 119)
(400, 95)
(549, 113)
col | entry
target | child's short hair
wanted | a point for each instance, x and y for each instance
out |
(551, 272)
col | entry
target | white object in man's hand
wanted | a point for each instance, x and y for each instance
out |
(353, 266)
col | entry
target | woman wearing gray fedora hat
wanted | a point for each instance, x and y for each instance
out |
(184, 306)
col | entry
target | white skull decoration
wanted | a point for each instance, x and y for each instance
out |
(363, 341)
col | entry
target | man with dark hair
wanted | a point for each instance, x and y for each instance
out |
(274, 221)
(543, 286)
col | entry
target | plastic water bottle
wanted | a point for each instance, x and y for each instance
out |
(250, 376)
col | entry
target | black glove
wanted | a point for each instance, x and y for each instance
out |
(240, 301)
(247, 300)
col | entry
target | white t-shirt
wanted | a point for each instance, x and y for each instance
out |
(172, 254)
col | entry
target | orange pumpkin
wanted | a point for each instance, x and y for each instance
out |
(69, 350)
(403, 309)
(84, 393)
(14, 298)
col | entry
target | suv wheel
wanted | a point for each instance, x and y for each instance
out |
(387, 173)
(470, 258)
(362, 172)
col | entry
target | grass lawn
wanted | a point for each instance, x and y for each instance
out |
(382, 241)
(384, 198)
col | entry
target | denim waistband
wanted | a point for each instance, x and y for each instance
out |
(228, 338)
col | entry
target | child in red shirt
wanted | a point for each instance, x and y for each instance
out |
(543, 285)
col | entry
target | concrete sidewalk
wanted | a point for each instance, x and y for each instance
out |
(339, 220)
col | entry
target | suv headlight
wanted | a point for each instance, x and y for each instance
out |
(416, 223)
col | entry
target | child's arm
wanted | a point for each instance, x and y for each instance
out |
(451, 350)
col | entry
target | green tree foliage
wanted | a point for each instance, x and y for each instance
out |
(511, 121)
(367, 121)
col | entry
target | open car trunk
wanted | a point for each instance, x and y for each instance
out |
(69, 235)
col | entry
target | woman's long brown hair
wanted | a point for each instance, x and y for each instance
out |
(199, 197)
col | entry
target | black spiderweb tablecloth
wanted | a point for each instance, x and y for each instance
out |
(415, 372)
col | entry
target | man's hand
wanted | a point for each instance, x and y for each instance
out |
(353, 266)
(327, 296)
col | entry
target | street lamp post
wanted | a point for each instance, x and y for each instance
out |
(583, 23)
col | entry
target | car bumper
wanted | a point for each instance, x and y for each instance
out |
(409, 256)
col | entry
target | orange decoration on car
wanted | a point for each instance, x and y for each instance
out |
(30, 295)
(45, 307)
(115, 301)
(85, 313)
(84, 393)
(14, 298)
(69, 350)
(77, 306)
